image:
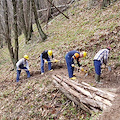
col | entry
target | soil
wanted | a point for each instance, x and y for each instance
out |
(111, 83)
(110, 80)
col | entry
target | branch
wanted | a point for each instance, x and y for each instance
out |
(57, 9)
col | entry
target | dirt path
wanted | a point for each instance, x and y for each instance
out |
(111, 82)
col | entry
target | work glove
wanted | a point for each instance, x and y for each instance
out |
(73, 65)
(55, 60)
(81, 68)
(46, 61)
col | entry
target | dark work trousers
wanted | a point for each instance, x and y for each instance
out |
(42, 64)
(97, 65)
(69, 62)
(19, 71)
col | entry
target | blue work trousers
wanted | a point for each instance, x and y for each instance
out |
(97, 65)
(19, 71)
(69, 63)
(42, 64)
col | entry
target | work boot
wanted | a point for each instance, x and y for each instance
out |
(51, 70)
(73, 78)
(97, 78)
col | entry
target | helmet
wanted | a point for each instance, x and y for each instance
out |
(26, 57)
(109, 48)
(76, 55)
(84, 54)
(50, 52)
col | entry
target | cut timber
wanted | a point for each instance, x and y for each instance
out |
(101, 93)
(84, 94)
(72, 98)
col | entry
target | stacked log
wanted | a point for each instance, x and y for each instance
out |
(87, 97)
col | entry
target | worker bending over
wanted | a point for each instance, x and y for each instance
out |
(70, 57)
(100, 58)
(45, 57)
(22, 64)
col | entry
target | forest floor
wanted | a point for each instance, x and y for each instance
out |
(37, 98)
(28, 87)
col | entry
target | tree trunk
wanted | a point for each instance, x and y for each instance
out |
(86, 94)
(48, 11)
(15, 31)
(13, 55)
(23, 21)
(42, 34)
(7, 34)
(30, 28)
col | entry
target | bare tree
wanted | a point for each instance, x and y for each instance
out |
(1, 27)
(26, 19)
(42, 34)
(13, 54)
(15, 59)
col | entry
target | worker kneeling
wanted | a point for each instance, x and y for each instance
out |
(70, 57)
(22, 64)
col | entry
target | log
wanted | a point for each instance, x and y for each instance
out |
(104, 94)
(99, 92)
(72, 98)
(84, 94)
(98, 98)
(81, 97)
(87, 93)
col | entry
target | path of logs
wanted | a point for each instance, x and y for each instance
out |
(84, 95)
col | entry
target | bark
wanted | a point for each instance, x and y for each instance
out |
(1, 28)
(1, 37)
(48, 11)
(15, 31)
(72, 98)
(58, 9)
(7, 34)
(23, 21)
(42, 34)
(87, 95)
(26, 20)
(13, 53)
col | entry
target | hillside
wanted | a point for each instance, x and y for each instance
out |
(37, 98)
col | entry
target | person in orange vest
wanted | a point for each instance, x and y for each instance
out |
(70, 57)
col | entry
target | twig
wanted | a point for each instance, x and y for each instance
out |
(57, 9)
(62, 109)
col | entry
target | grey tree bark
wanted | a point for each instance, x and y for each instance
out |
(42, 34)
(14, 2)
(13, 55)
(26, 20)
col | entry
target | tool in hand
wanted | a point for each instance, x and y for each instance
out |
(86, 72)
(81, 68)
(53, 61)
